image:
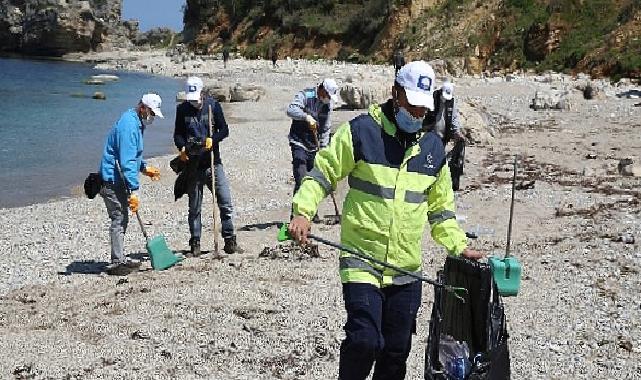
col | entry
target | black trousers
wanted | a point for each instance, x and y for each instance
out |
(379, 328)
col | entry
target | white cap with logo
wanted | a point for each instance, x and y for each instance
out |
(193, 87)
(417, 78)
(153, 101)
(331, 87)
(447, 90)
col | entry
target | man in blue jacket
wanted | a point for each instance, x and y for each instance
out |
(311, 126)
(191, 136)
(124, 147)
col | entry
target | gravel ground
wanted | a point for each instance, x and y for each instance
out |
(578, 314)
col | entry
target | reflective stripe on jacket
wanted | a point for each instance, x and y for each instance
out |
(393, 193)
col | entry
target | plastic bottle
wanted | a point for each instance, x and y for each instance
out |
(454, 357)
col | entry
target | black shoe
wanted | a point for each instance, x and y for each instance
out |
(231, 246)
(119, 269)
(195, 249)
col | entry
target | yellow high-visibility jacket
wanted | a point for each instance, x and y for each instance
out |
(393, 193)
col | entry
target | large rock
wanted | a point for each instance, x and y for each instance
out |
(475, 123)
(11, 19)
(627, 168)
(552, 99)
(220, 93)
(360, 97)
(247, 93)
(57, 27)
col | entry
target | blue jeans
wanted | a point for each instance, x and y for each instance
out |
(223, 198)
(379, 328)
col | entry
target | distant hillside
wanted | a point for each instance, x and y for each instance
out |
(598, 36)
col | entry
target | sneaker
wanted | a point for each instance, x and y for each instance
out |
(231, 246)
(118, 269)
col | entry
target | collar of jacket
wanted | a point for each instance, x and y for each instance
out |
(383, 114)
(137, 118)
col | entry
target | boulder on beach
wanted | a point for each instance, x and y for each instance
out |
(552, 99)
(360, 97)
(475, 126)
(246, 93)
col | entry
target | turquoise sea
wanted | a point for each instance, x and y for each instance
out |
(52, 132)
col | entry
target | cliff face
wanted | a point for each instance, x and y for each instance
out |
(598, 36)
(56, 27)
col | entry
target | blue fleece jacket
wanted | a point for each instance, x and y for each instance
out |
(124, 143)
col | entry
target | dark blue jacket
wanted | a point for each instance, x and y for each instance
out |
(192, 127)
(305, 103)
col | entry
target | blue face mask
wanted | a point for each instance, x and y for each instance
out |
(407, 122)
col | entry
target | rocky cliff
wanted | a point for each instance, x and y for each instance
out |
(56, 27)
(596, 36)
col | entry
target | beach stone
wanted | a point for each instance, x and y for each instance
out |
(246, 93)
(552, 99)
(359, 97)
(220, 93)
(627, 168)
(475, 127)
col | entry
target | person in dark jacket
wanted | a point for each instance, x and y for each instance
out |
(194, 142)
(445, 121)
(311, 123)
(398, 60)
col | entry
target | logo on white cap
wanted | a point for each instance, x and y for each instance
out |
(417, 78)
(193, 87)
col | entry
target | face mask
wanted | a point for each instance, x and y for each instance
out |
(407, 122)
(148, 120)
(195, 103)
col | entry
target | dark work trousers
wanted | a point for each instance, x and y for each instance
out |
(379, 328)
(302, 162)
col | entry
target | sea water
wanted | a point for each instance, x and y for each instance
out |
(52, 132)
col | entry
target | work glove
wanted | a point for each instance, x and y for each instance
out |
(134, 202)
(311, 121)
(208, 143)
(152, 172)
(183, 155)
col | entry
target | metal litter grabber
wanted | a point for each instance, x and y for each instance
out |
(507, 271)
(159, 253)
(284, 235)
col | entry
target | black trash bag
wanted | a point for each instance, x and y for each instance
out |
(480, 322)
(93, 183)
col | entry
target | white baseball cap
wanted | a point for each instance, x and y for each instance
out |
(331, 87)
(447, 90)
(153, 101)
(193, 87)
(417, 78)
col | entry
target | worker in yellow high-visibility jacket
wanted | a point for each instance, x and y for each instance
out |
(398, 181)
